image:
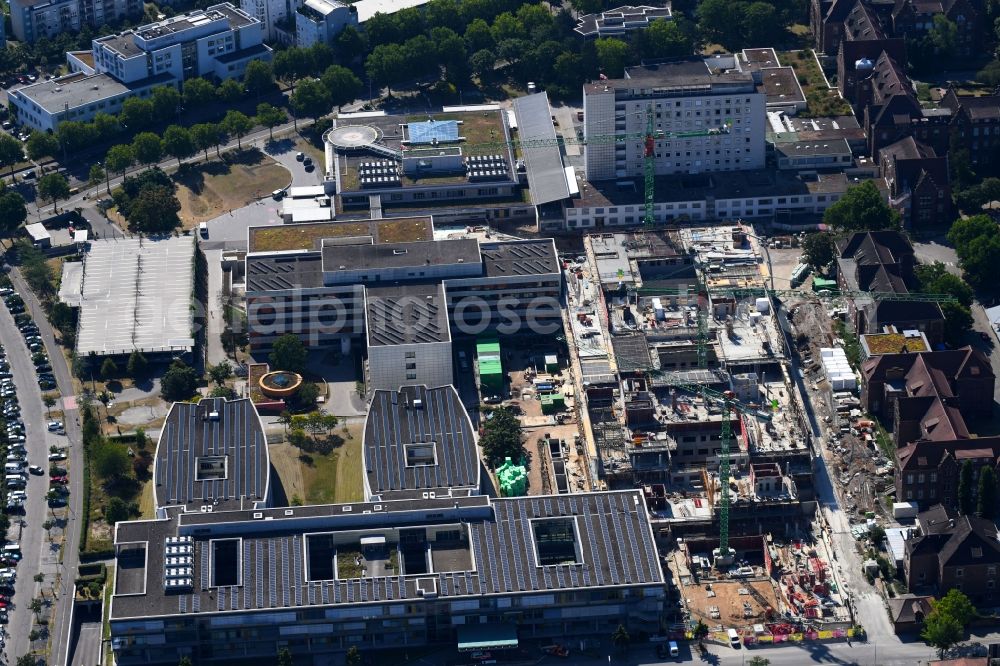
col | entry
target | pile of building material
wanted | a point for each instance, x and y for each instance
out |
(838, 370)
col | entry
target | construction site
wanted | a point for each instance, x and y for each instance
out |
(688, 393)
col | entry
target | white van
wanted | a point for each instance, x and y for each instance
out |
(14, 481)
(673, 649)
(734, 638)
(12, 549)
(13, 467)
(203, 229)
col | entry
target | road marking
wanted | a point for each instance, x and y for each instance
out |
(69, 402)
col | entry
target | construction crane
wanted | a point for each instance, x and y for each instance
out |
(723, 556)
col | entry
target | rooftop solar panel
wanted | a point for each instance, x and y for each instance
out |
(430, 131)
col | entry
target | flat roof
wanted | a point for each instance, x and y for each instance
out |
(781, 86)
(721, 185)
(800, 148)
(419, 438)
(136, 295)
(528, 257)
(212, 453)
(368, 8)
(406, 314)
(284, 271)
(308, 236)
(611, 537)
(542, 159)
(482, 132)
(400, 255)
(75, 90)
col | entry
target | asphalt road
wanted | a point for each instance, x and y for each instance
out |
(88, 645)
(60, 624)
(27, 529)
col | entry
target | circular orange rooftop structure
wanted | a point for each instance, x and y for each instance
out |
(280, 384)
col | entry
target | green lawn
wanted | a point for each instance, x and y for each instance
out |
(335, 478)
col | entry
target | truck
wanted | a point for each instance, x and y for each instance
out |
(904, 510)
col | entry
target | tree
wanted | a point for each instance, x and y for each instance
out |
(955, 605)
(586, 6)
(759, 661)
(11, 151)
(720, 21)
(178, 142)
(353, 656)
(386, 65)
(612, 55)
(291, 64)
(106, 125)
(620, 638)
(230, 91)
(943, 36)
(12, 212)
(502, 438)
(237, 124)
(342, 84)
(147, 148)
(941, 632)
(478, 36)
(935, 279)
(862, 208)
(166, 103)
(311, 98)
(185, 661)
(288, 353)
(109, 369)
(50, 401)
(136, 113)
(119, 159)
(221, 372)
(110, 461)
(137, 365)
(198, 91)
(963, 231)
(53, 186)
(258, 78)
(154, 210)
(483, 62)
(116, 511)
(667, 39)
(986, 498)
(96, 175)
(306, 396)
(179, 382)
(74, 135)
(205, 135)
(285, 657)
(818, 250)
(965, 488)
(761, 24)
(269, 116)
(27, 660)
(42, 144)
(958, 322)
(350, 44)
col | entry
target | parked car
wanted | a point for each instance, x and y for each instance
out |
(54, 425)
(61, 455)
(59, 479)
(36, 469)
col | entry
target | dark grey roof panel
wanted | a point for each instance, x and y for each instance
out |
(546, 173)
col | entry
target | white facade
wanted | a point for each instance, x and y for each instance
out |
(706, 126)
(200, 43)
(320, 21)
(271, 13)
(695, 210)
(31, 21)
(43, 105)
(393, 366)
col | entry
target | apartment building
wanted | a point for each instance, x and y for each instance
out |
(320, 21)
(712, 118)
(32, 20)
(218, 41)
(389, 574)
(277, 17)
